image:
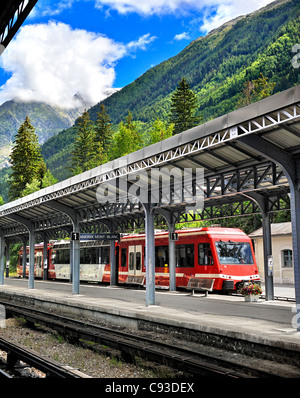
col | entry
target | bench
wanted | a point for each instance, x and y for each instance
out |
(200, 285)
(135, 279)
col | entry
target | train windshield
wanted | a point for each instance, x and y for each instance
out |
(234, 252)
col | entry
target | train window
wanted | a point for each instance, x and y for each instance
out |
(138, 261)
(161, 256)
(61, 256)
(184, 255)
(123, 257)
(234, 252)
(104, 255)
(88, 255)
(205, 254)
(131, 260)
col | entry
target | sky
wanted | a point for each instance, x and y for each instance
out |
(87, 47)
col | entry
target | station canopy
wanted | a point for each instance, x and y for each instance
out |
(233, 150)
(12, 14)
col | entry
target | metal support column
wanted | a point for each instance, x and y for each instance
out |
(2, 253)
(267, 242)
(111, 226)
(71, 260)
(28, 224)
(76, 259)
(45, 258)
(7, 259)
(172, 260)
(75, 246)
(291, 168)
(295, 217)
(150, 255)
(24, 257)
(113, 273)
(263, 204)
(31, 259)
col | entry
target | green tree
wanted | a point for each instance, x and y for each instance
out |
(263, 88)
(183, 107)
(127, 139)
(25, 159)
(102, 138)
(103, 131)
(44, 179)
(256, 90)
(160, 131)
(83, 153)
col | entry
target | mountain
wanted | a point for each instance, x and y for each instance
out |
(216, 67)
(46, 119)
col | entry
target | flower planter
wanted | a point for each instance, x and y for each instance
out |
(252, 297)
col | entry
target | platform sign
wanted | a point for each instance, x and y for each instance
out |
(75, 236)
(101, 236)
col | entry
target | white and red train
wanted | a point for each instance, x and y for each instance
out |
(223, 254)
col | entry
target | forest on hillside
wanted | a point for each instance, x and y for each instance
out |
(216, 67)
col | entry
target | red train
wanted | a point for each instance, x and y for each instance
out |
(223, 254)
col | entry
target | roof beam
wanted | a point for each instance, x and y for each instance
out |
(271, 152)
(13, 15)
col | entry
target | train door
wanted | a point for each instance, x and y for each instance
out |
(38, 264)
(135, 260)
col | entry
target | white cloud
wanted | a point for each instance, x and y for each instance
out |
(228, 10)
(50, 8)
(147, 7)
(150, 7)
(52, 62)
(182, 36)
(141, 43)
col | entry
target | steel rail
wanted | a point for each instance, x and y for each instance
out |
(5, 375)
(130, 346)
(48, 366)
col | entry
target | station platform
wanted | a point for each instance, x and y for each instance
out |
(268, 323)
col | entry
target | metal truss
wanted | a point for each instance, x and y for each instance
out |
(236, 180)
(13, 14)
(128, 219)
(260, 176)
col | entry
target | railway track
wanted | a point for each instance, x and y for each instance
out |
(179, 357)
(17, 353)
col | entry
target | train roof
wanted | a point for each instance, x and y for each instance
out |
(214, 230)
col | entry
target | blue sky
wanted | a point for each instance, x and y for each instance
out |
(89, 46)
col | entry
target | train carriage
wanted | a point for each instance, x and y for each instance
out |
(223, 254)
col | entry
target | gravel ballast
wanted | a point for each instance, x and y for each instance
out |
(87, 361)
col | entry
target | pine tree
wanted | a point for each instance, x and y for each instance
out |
(183, 107)
(103, 131)
(25, 159)
(103, 136)
(83, 154)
